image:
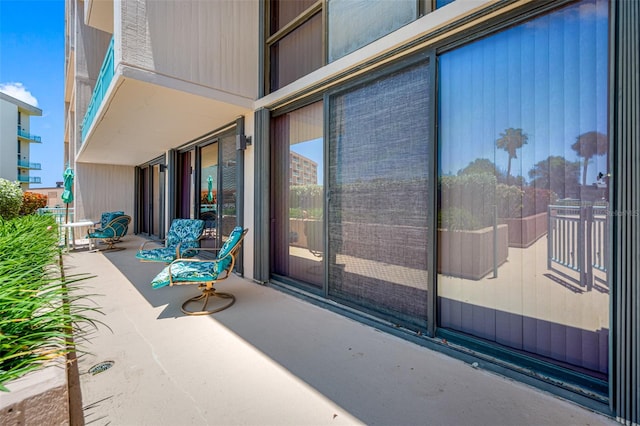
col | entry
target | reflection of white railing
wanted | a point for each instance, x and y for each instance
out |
(578, 239)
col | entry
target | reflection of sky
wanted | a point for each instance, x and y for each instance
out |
(313, 150)
(547, 77)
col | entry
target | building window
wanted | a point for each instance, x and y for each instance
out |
(523, 241)
(297, 233)
(355, 23)
(294, 40)
(380, 145)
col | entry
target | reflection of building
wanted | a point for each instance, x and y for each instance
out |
(303, 171)
(15, 140)
(378, 87)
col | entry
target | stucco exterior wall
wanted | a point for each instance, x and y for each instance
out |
(101, 188)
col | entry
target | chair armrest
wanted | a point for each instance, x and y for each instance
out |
(159, 242)
(213, 249)
(190, 248)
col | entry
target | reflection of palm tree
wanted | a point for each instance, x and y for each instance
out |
(588, 145)
(511, 140)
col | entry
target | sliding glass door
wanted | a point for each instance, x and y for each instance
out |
(297, 191)
(150, 198)
(217, 185)
(523, 241)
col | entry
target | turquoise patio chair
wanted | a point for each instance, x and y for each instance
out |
(184, 235)
(106, 217)
(111, 233)
(205, 274)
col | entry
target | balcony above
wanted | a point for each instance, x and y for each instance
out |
(136, 115)
(26, 136)
(27, 165)
(99, 14)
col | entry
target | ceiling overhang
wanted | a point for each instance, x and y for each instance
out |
(140, 121)
(99, 14)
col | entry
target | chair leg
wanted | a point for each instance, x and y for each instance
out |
(205, 297)
(110, 246)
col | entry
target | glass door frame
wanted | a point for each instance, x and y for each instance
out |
(198, 187)
(140, 209)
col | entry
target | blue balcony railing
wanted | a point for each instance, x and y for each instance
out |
(29, 179)
(26, 135)
(27, 165)
(102, 84)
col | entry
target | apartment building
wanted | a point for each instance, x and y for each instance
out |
(476, 162)
(16, 140)
(303, 171)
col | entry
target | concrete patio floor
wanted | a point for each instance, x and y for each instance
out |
(273, 359)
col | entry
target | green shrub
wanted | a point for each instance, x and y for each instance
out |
(31, 202)
(475, 193)
(456, 219)
(509, 200)
(10, 199)
(39, 310)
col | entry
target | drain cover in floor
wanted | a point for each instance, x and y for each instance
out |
(100, 367)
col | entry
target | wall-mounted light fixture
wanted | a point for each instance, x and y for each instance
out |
(242, 141)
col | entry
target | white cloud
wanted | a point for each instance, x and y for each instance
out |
(18, 91)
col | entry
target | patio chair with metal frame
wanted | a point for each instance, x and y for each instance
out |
(183, 237)
(116, 228)
(205, 274)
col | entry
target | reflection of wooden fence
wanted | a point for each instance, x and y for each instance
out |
(577, 240)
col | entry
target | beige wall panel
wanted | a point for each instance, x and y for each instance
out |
(212, 43)
(101, 188)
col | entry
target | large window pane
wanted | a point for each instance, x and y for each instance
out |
(355, 23)
(297, 54)
(209, 194)
(285, 11)
(378, 211)
(298, 196)
(523, 224)
(228, 186)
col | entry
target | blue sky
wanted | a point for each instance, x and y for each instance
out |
(32, 69)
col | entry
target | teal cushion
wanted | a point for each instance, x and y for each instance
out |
(185, 231)
(108, 217)
(202, 271)
(185, 272)
(228, 245)
(101, 234)
(164, 254)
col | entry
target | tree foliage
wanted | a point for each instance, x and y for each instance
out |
(557, 175)
(589, 145)
(31, 202)
(10, 199)
(510, 141)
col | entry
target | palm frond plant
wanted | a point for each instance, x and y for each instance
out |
(41, 310)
